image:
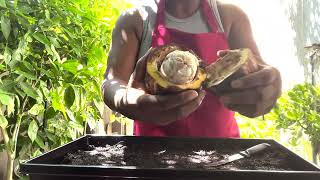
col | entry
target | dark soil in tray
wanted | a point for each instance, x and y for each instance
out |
(182, 156)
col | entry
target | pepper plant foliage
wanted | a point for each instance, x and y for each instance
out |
(53, 55)
(298, 111)
(294, 121)
(300, 107)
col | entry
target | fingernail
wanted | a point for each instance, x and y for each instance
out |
(192, 94)
(236, 84)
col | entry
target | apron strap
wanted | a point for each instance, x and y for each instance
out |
(208, 14)
(161, 13)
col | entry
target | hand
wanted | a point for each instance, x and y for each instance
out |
(158, 109)
(253, 90)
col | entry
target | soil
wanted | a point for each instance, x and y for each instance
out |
(181, 156)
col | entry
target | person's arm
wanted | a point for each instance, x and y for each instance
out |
(123, 87)
(255, 93)
(122, 57)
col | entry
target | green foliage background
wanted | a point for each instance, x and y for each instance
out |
(53, 55)
(294, 139)
(294, 122)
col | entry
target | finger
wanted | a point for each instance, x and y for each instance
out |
(269, 98)
(250, 67)
(253, 110)
(270, 92)
(165, 102)
(249, 110)
(278, 85)
(259, 78)
(246, 110)
(225, 86)
(168, 116)
(140, 69)
(241, 97)
(222, 53)
(250, 96)
(265, 107)
(185, 110)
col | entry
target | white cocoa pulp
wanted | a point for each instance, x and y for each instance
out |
(179, 67)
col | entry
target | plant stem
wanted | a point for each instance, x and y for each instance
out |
(5, 137)
(10, 166)
(85, 127)
(10, 154)
(11, 151)
(315, 151)
(16, 133)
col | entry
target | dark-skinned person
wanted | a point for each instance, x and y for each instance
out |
(210, 28)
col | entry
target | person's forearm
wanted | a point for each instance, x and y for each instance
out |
(113, 94)
(121, 98)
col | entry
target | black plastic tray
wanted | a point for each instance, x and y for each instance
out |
(47, 167)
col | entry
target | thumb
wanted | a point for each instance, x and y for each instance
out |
(139, 72)
(222, 53)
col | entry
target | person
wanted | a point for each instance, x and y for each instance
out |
(210, 28)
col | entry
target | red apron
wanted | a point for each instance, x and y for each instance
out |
(211, 119)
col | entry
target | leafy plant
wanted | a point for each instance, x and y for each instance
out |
(267, 128)
(53, 55)
(298, 110)
(258, 128)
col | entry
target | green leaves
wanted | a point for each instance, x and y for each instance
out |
(30, 91)
(55, 56)
(7, 55)
(3, 121)
(5, 26)
(69, 96)
(40, 142)
(33, 130)
(72, 66)
(3, 3)
(55, 42)
(74, 128)
(5, 99)
(57, 100)
(25, 69)
(36, 109)
(298, 110)
(41, 38)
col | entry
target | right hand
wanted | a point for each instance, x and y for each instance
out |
(157, 109)
(225, 86)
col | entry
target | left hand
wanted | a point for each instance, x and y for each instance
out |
(252, 93)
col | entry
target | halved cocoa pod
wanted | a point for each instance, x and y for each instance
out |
(173, 68)
(162, 75)
(225, 86)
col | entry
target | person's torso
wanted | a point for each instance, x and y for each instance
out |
(193, 24)
(201, 33)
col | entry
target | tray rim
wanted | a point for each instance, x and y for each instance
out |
(27, 166)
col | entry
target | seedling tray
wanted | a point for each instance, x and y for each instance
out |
(157, 158)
